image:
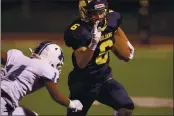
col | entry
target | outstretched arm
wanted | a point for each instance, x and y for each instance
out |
(60, 98)
(3, 57)
(56, 94)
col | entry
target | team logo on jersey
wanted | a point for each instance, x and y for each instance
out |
(98, 6)
(106, 36)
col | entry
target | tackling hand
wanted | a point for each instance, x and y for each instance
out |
(75, 105)
(96, 34)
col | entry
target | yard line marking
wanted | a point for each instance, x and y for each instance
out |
(150, 102)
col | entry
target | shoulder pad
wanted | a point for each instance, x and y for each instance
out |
(114, 19)
(77, 34)
(13, 55)
(50, 73)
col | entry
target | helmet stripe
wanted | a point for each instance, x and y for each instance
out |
(61, 57)
(42, 46)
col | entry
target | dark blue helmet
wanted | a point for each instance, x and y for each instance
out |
(92, 7)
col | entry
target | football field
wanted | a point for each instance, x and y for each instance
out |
(148, 79)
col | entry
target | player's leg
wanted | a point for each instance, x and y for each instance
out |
(22, 111)
(113, 94)
(83, 92)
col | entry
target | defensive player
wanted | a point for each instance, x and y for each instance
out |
(92, 37)
(25, 75)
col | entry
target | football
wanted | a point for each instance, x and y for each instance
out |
(121, 48)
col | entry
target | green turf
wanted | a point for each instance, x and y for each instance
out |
(150, 73)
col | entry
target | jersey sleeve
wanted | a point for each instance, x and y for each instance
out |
(50, 73)
(3, 72)
(78, 37)
(13, 55)
(114, 20)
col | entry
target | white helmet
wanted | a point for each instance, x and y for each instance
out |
(50, 53)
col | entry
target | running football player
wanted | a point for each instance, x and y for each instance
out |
(91, 37)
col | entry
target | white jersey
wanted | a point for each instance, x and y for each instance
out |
(3, 72)
(25, 75)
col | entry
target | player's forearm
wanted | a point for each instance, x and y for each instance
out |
(83, 57)
(119, 56)
(56, 94)
(122, 47)
(86, 57)
(61, 99)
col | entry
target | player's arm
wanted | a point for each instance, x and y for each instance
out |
(84, 54)
(3, 57)
(122, 47)
(60, 98)
(56, 94)
(121, 33)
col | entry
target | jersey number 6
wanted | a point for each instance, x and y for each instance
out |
(103, 55)
(74, 27)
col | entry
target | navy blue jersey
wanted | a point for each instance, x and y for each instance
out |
(78, 34)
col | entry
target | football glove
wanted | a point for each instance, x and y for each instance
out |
(75, 105)
(131, 50)
(96, 34)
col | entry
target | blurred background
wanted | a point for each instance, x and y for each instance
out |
(148, 24)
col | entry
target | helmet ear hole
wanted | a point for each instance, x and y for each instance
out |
(57, 65)
(52, 65)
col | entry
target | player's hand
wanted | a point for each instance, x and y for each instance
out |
(131, 50)
(96, 34)
(75, 105)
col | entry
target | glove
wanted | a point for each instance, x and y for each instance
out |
(131, 50)
(96, 34)
(75, 105)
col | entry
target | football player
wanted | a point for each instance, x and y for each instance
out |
(91, 37)
(25, 75)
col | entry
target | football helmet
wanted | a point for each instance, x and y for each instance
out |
(92, 7)
(50, 53)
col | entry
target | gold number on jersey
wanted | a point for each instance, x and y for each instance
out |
(103, 55)
(74, 27)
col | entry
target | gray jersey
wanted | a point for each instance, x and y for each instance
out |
(25, 75)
